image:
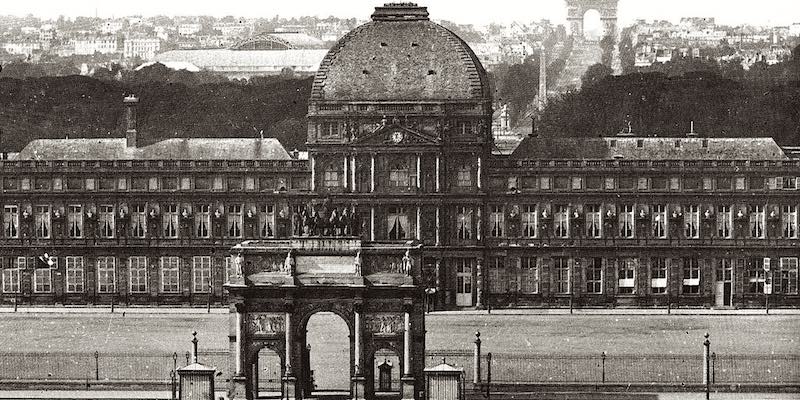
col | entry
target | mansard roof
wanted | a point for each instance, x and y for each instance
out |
(649, 148)
(400, 55)
(177, 149)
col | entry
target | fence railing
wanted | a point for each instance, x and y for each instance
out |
(506, 368)
(602, 368)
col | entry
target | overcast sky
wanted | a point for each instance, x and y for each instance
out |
(733, 12)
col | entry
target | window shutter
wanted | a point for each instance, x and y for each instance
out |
(777, 266)
(773, 183)
(610, 275)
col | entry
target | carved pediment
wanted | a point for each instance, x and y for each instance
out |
(396, 134)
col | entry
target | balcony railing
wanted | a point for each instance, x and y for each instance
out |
(648, 164)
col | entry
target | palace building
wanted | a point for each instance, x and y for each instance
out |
(400, 151)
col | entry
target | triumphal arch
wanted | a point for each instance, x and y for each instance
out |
(278, 285)
(577, 9)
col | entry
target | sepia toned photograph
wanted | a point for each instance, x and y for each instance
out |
(376, 200)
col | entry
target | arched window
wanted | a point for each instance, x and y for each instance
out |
(399, 175)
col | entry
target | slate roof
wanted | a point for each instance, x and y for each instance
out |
(676, 148)
(400, 56)
(177, 149)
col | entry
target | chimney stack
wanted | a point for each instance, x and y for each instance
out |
(131, 103)
(691, 133)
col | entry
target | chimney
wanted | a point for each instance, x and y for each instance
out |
(691, 133)
(131, 102)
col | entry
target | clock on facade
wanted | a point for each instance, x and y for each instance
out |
(397, 137)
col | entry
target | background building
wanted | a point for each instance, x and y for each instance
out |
(400, 145)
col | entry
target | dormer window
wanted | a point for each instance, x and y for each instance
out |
(640, 143)
(329, 129)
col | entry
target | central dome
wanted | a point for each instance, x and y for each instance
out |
(400, 56)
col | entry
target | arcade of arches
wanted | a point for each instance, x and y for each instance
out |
(280, 289)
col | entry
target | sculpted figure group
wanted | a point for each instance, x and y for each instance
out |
(326, 220)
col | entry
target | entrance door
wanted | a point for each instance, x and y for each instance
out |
(463, 282)
(723, 289)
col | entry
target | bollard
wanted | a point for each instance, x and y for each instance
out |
(175, 361)
(488, 375)
(706, 366)
(713, 368)
(603, 360)
(476, 379)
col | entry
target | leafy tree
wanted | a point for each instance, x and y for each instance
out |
(595, 74)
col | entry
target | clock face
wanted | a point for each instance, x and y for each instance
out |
(397, 137)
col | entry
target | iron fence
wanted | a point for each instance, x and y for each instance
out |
(601, 368)
(506, 368)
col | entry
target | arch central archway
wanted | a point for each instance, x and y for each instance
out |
(577, 11)
(328, 343)
(593, 29)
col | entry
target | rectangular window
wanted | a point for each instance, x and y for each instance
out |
(170, 278)
(75, 221)
(594, 276)
(498, 281)
(577, 183)
(691, 221)
(658, 275)
(106, 220)
(627, 183)
(137, 266)
(170, 221)
(724, 221)
(789, 183)
(675, 184)
(740, 183)
(11, 221)
(139, 183)
(529, 275)
(497, 221)
(594, 221)
(217, 184)
(11, 276)
(594, 183)
(724, 183)
(788, 275)
(707, 184)
(201, 274)
(545, 183)
(266, 184)
(529, 223)
(169, 183)
(691, 276)
(756, 276)
(329, 129)
(611, 184)
(331, 178)
(235, 184)
(10, 184)
(464, 222)
(42, 222)
(266, 221)
(757, 183)
(642, 185)
(660, 221)
(106, 275)
(138, 221)
(75, 274)
(561, 183)
(659, 183)
(397, 224)
(464, 177)
(626, 274)
(202, 183)
(42, 183)
(235, 220)
(229, 272)
(42, 280)
(561, 275)
(757, 221)
(789, 222)
(627, 223)
(202, 221)
(561, 220)
(692, 183)
(107, 184)
(399, 175)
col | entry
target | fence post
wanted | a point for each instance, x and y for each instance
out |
(603, 358)
(706, 366)
(488, 375)
(713, 367)
(476, 378)
(96, 365)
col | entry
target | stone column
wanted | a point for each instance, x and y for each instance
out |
(239, 380)
(479, 283)
(313, 174)
(407, 344)
(353, 173)
(372, 223)
(346, 173)
(439, 289)
(419, 170)
(288, 334)
(358, 381)
(438, 226)
(239, 345)
(438, 162)
(479, 172)
(372, 173)
(419, 219)
(290, 389)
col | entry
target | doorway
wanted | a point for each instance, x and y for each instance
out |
(463, 282)
(723, 288)
(327, 344)
(267, 374)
